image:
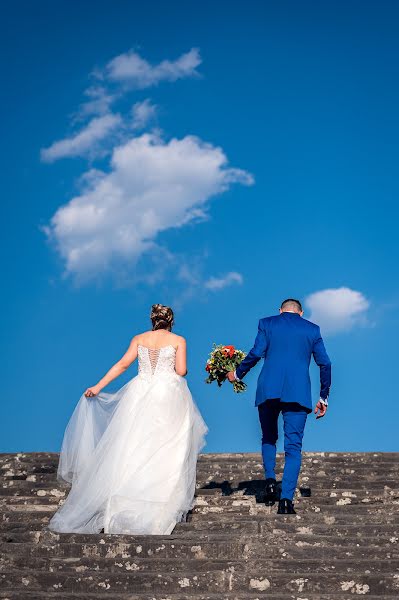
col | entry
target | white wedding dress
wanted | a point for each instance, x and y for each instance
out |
(131, 456)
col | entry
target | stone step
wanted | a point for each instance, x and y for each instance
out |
(27, 595)
(306, 478)
(343, 497)
(31, 489)
(237, 509)
(336, 504)
(302, 517)
(339, 466)
(155, 564)
(231, 536)
(344, 541)
(254, 525)
(204, 516)
(209, 548)
(349, 465)
(373, 485)
(225, 580)
(307, 510)
(343, 458)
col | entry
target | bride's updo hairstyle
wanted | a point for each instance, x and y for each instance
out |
(161, 317)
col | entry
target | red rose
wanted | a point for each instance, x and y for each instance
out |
(229, 350)
(207, 368)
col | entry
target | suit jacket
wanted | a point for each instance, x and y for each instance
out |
(287, 342)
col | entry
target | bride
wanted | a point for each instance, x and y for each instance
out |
(131, 456)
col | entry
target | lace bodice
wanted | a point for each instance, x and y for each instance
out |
(156, 361)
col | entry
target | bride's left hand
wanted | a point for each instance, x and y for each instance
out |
(92, 391)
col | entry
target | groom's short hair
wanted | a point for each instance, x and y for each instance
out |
(291, 304)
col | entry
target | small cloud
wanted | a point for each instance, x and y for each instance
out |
(85, 142)
(130, 68)
(143, 112)
(99, 103)
(218, 283)
(338, 309)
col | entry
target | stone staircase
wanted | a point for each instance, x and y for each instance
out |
(343, 543)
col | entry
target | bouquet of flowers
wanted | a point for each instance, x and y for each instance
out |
(221, 360)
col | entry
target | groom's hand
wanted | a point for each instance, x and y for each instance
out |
(230, 376)
(320, 410)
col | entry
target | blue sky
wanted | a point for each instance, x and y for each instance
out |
(258, 162)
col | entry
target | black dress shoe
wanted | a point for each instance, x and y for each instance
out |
(270, 490)
(285, 507)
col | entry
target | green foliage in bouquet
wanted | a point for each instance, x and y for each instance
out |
(221, 360)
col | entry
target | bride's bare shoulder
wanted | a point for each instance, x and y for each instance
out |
(139, 338)
(179, 340)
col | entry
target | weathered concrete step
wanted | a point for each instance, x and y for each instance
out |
(313, 481)
(43, 458)
(305, 509)
(27, 517)
(55, 498)
(322, 484)
(348, 465)
(314, 458)
(211, 581)
(382, 503)
(41, 514)
(318, 472)
(244, 515)
(229, 522)
(35, 489)
(314, 465)
(211, 456)
(26, 509)
(232, 539)
(254, 525)
(27, 595)
(328, 497)
(26, 488)
(338, 502)
(307, 479)
(164, 565)
(303, 518)
(211, 548)
(230, 531)
(28, 501)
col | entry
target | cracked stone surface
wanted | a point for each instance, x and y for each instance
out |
(343, 543)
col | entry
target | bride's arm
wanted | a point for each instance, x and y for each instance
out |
(181, 358)
(117, 369)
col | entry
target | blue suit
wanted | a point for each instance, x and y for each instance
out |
(287, 343)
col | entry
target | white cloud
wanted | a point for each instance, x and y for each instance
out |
(218, 283)
(152, 186)
(130, 68)
(338, 309)
(134, 70)
(143, 112)
(99, 102)
(86, 141)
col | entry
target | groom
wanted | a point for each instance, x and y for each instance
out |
(286, 342)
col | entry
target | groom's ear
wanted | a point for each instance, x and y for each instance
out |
(301, 313)
(281, 311)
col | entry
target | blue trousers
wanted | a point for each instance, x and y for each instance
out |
(294, 416)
